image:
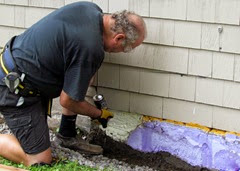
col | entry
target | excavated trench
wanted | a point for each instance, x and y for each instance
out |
(162, 161)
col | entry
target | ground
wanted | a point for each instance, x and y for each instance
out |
(161, 161)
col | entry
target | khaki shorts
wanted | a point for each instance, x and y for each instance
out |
(27, 121)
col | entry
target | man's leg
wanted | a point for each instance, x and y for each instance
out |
(11, 149)
(67, 135)
(68, 123)
(30, 142)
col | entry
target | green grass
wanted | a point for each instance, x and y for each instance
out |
(58, 166)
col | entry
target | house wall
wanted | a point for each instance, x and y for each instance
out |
(187, 69)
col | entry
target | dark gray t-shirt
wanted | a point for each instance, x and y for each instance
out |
(63, 50)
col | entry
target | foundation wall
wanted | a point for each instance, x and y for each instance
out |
(197, 145)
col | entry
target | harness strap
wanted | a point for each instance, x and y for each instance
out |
(2, 72)
(8, 64)
(49, 110)
(3, 67)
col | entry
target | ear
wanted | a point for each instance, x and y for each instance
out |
(118, 39)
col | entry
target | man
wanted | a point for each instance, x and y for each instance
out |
(58, 56)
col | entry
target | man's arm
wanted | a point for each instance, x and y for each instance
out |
(81, 107)
(92, 80)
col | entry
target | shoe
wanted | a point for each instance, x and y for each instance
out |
(79, 145)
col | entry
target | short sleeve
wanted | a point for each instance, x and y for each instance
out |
(77, 76)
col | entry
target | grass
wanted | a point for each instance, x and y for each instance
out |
(58, 166)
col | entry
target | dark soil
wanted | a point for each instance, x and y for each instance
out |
(162, 161)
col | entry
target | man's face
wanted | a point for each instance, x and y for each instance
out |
(115, 48)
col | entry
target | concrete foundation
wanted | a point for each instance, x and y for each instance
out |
(198, 146)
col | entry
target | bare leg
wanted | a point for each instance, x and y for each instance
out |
(11, 149)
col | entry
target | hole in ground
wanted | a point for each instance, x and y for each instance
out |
(162, 161)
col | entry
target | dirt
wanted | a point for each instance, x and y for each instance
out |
(162, 161)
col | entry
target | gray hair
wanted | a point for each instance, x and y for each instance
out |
(125, 25)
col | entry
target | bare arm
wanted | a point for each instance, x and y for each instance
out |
(81, 107)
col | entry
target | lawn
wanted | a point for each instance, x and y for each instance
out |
(63, 165)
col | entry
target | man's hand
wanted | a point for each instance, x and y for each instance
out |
(106, 115)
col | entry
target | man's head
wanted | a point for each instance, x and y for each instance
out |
(123, 31)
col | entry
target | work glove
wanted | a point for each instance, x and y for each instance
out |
(104, 118)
